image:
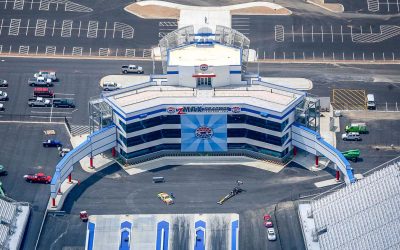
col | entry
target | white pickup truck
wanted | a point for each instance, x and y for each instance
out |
(46, 74)
(132, 69)
(39, 102)
(40, 81)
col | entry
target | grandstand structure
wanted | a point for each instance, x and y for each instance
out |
(13, 219)
(363, 215)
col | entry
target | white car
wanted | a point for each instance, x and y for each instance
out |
(46, 74)
(109, 86)
(351, 136)
(271, 234)
(2, 107)
(3, 83)
(3, 96)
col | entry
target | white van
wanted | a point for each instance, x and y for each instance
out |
(371, 101)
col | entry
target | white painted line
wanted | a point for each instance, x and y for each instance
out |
(370, 29)
(79, 32)
(66, 28)
(105, 30)
(92, 29)
(322, 34)
(27, 27)
(48, 112)
(343, 56)
(18, 5)
(13, 30)
(40, 29)
(361, 29)
(31, 4)
(332, 33)
(302, 33)
(114, 31)
(341, 32)
(312, 33)
(54, 26)
(398, 10)
(1, 25)
(388, 6)
(63, 94)
(292, 33)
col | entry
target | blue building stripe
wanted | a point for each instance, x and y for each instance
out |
(200, 241)
(91, 227)
(125, 235)
(235, 72)
(234, 240)
(172, 72)
(162, 230)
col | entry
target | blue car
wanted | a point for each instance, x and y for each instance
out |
(52, 143)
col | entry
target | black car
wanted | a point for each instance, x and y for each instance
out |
(63, 103)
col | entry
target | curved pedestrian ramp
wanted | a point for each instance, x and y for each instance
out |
(163, 231)
(96, 143)
(312, 142)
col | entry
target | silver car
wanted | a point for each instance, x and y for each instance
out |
(3, 96)
(271, 234)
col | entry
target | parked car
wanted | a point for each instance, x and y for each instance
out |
(38, 178)
(43, 92)
(3, 171)
(40, 81)
(52, 143)
(371, 101)
(39, 102)
(271, 234)
(2, 107)
(64, 151)
(164, 197)
(3, 83)
(132, 69)
(3, 96)
(109, 86)
(352, 136)
(52, 76)
(63, 103)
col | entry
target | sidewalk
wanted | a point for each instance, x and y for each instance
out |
(125, 80)
(293, 83)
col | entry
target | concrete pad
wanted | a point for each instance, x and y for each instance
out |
(125, 80)
(327, 183)
(359, 176)
(271, 166)
(209, 18)
(307, 160)
(332, 7)
(293, 83)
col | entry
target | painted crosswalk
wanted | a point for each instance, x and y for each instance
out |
(79, 130)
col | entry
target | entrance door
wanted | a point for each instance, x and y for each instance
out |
(204, 81)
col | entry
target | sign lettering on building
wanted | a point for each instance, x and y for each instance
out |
(202, 109)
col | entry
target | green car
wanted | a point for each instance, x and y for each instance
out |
(352, 155)
(357, 127)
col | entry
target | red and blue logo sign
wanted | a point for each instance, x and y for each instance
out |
(204, 132)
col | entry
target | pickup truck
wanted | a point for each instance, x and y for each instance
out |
(46, 74)
(132, 69)
(40, 81)
(52, 143)
(3, 96)
(39, 102)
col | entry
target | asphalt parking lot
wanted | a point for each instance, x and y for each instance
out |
(375, 146)
(197, 190)
(21, 152)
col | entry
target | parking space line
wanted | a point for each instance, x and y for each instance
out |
(66, 28)
(79, 31)
(13, 29)
(312, 33)
(1, 25)
(105, 30)
(27, 27)
(341, 32)
(322, 34)
(54, 26)
(40, 29)
(292, 33)
(332, 33)
(31, 5)
(302, 33)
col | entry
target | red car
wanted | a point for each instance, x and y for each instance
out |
(268, 221)
(38, 178)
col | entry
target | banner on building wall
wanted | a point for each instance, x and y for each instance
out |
(204, 133)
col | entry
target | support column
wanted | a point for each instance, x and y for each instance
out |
(53, 202)
(59, 190)
(113, 152)
(91, 162)
(294, 151)
(337, 175)
(316, 160)
(70, 178)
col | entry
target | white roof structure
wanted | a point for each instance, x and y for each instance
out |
(215, 55)
(363, 215)
(130, 101)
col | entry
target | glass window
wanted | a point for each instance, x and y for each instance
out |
(150, 150)
(152, 136)
(258, 122)
(152, 122)
(254, 135)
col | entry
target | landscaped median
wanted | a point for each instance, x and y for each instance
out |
(166, 10)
